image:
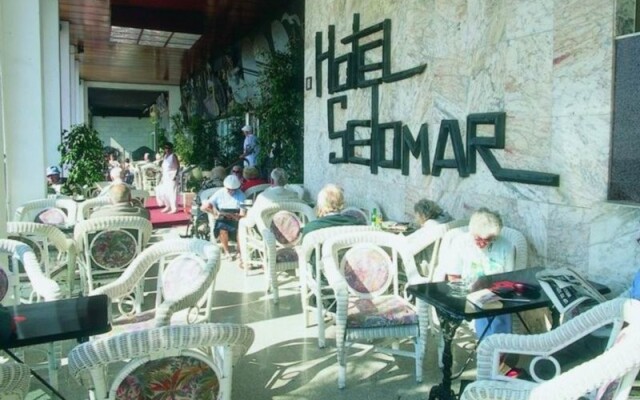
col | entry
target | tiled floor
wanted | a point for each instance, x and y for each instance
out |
(285, 362)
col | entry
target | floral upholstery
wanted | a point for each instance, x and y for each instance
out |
(51, 216)
(170, 378)
(113, 249)
(381, 311)
(4, 284)
(286, 227)
(356, 213)
(287, 254)
(181, 275)
(367, 269)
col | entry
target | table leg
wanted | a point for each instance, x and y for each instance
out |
(448, 326)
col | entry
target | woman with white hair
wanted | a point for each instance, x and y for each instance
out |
(482, 251)
(328, 208)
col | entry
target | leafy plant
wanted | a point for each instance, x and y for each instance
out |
(281, 110)
(82, 150)
(195, 140)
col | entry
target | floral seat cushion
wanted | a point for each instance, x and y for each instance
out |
(51, 216)
(367, 269)
(182, 276)
(286, 227)
(176, 378)
(381, 311)
(4, 284)
(113, 250)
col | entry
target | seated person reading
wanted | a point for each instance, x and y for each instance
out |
(482, 251)
(225, 205)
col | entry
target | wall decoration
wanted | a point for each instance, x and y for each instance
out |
(359, 69)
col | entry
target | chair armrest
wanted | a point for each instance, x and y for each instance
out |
(336, 280)
(547, 343)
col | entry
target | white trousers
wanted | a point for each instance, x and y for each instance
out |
(167, 191)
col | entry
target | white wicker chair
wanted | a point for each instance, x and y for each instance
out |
(185, 279)
(14, 381)
(56, 252)
(139, 197)
(613, 371)
(429, 237)
(254, 191)
(203, 355)
(107, 245)
(280, 226)
(310, 271)
(86, 207)
(362, 269)
(296, 187)
(57, 211)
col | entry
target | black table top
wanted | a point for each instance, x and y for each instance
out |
(50, 321)
(438, 295)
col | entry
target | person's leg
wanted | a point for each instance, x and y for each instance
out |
(173, 195)
(224, 241)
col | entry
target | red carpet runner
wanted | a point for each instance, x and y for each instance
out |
(162, 220)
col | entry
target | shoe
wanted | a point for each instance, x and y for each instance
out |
(172, 211)
(227, 256)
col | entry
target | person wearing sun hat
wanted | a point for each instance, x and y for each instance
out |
(225, 206)
(54, 182)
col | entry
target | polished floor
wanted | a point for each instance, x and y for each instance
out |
(284, 361)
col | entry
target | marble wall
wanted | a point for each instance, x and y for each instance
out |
(547, 64)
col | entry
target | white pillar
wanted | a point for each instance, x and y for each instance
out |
(23, 115)
(49, 21)
(65, 76)
(73, 83)
(3, 187)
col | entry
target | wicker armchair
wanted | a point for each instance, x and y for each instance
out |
(280, 226)
(44, 287)
(55, 252)
(14, 381)
(362, 269)
(427, 240)
(254, 191)
(56, 211)
(150, 174)
(296, 187)
(86, 207)
(185, 278)
(312, 285)
(107, 245)
(608, 375)
(193, 360)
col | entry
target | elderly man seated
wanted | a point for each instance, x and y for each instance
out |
(225, 205)
(120, 196)
(328, 208)
(277, 193)
(54, 182)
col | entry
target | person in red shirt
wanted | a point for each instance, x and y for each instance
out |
(251, 178)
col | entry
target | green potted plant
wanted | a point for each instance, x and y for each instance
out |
(82, 150)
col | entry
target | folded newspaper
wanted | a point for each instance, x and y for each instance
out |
(566, 288)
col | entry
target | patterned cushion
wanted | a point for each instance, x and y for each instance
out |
(51, 216)
(367, 269)
(4, 284)
(182, 276)
(356, 213)
(113, 249)
(286, 255)
(170, 378)
(286, 227)
(379, 312)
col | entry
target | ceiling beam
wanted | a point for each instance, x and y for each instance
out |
(158, 19)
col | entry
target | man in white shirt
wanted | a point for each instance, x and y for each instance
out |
(277, 193)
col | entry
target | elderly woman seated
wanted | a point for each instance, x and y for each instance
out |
(330, 204)
(482, 251)
(429, 213)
